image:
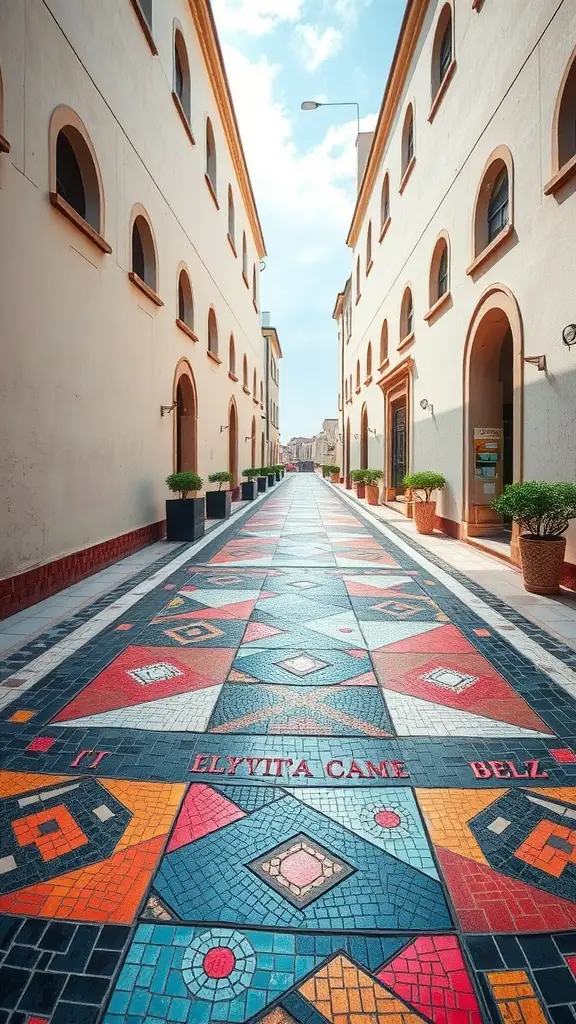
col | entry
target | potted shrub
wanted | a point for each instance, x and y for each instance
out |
(269, 472)
(371, 478)
(184, 515)
(542, 511)
(423, 484)
(358, 481)
(326, 471)
(219, 503)
(249, 486)
(277, 473)
(262, 480)
(335, 475)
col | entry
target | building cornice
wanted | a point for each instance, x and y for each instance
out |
(403, 54)
(208, 36)
(272, 333)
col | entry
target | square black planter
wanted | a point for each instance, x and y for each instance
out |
(184, 519)
(249, 490)
(262, 484)
(218, 504)
(278, 478)
(271, 480)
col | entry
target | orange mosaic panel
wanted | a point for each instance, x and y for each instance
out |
(540, 853)
(345, 994)
(517, 1001)
(447, 812)
(66, 837)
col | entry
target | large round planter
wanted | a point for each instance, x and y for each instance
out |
(372, 494)
(542, 564)
(360, 490)
(424, 516)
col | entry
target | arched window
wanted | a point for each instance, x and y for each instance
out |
(369, 247)
(254, 286)
(245, 372)
(439, 282)
(441, 49)
(77, 180)
(357, 279)
(244, 257)
(385, 202)
(357, 374)
(369, 360)
(211, 155)
(408, 139)
(4, 144)
(212, 333)
(231, 224)
(144, 252)
(565, 118)
(261, 393)
(406, 315)
(182, 73)
(346, 389)
(494, 200)
(146, 8)
(350, 386)
(185, 300)
(254, 384)
(232, 356)
(383, 343)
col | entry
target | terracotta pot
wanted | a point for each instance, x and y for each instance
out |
(372, 494)
(424, 516)
(542, 564)
(335, 478)
(360, 490)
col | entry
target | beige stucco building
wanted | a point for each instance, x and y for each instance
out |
(454, 326)
(272, 357)
(130, 251)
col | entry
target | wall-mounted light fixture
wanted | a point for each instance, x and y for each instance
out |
(569, 335)
(372, 430)
(356, 436)
(250, 438)
(538, 361)
(425, 404)
(222, 429)
(166, 409)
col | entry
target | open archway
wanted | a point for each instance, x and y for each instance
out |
(364, 437)
(262, 449)
(233, 449)
(347, 478)
(493, 413)
(253, 440)
(185, 419)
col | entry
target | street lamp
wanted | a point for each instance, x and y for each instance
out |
(314, 104)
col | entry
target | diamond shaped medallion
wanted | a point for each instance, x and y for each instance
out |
(450, 679)
(302, 665)
(303, 584)
(157, 673)
(301, 869)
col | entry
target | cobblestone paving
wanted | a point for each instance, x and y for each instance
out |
(293, 778)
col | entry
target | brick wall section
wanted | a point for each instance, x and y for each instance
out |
(26, 588)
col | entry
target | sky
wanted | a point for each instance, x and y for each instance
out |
(303, 166)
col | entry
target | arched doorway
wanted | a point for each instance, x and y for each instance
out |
(253, 443)
(233, 449)
(493, 416)
(262, 450)
(185, 420)
(347, 480)
(364, 438)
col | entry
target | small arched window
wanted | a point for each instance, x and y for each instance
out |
(254, 286)
(494, 200)
(442, 49)
(439, 282)
(244, 257)
(245, 372)
(254, 384)
(232, 356)
(369, 360)
(350, 385)
(261, 393)
(406, 315)
(182, 73)
(346, 389)
(4, 144)
(357, 374)
(369, 247)
(357, 279)
(144, 252)
(212, 333)
(211, 155)
(76, 176)
(498, 205)
(383, 343)
(408, 139)
(185, 300)
(565, 118)
(385, 202)
(231, 223)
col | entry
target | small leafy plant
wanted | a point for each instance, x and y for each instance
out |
(221, 478)
(542, 510)
(251, 473)
(329, 470)
(425, 480)
(183, 483)
(358, 476)
(372, 476)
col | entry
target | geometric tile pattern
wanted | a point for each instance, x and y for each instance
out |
(431, 974)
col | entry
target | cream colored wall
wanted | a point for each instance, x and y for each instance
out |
(510, 61)
(87, 358)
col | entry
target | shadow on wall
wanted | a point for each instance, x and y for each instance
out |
(146, 501)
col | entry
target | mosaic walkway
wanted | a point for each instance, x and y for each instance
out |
(294, 777)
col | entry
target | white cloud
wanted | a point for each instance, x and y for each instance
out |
(256, 17)
(317, 44)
